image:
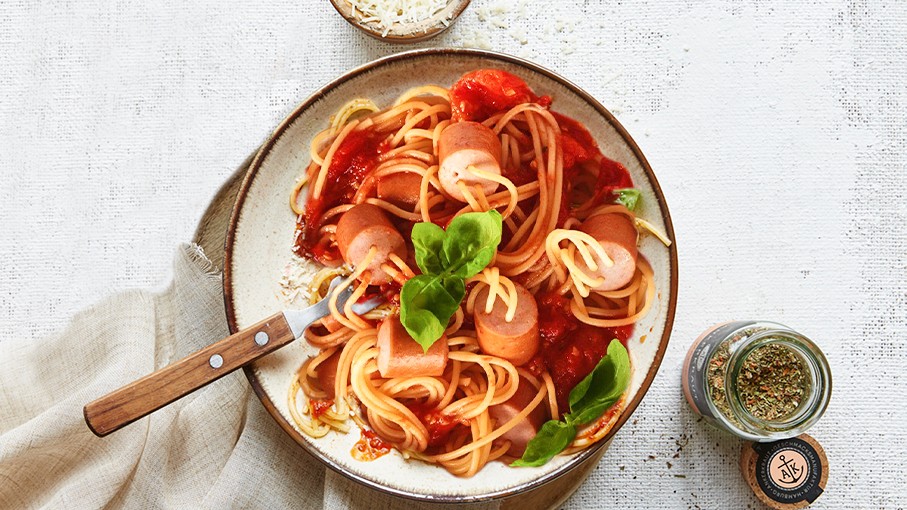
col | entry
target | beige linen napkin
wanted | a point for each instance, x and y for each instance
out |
(216, 448)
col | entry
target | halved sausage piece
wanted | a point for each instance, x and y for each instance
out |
(401, 189)
(331, 324)
(327, 373)
(399, 355)
(527, 427)
(465, 144)
(364, 226)
(617, 235)
(516, 341)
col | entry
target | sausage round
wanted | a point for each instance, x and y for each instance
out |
(401, 189)
(364, 226)
(327, 373)
(516, 341)
(399, 355)
(526, 428)
(617, 235)
(464, 144)
(331, 324)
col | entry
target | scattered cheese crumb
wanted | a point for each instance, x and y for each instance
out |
(499, 22)
(477, 39)
(294, 283)
(519, 35)
(562, 24)
(569, 44)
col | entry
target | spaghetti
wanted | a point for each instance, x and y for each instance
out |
(544, 173)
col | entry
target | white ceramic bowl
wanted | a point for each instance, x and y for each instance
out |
(260, 238)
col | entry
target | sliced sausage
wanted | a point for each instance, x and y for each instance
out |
(464, 144)
(331, 324)
(617, 235)
(516, 341)
(364, 226)
(527, 427)
(327, 373)
(401, 189)
(401, 356)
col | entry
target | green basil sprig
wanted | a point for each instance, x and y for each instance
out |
(597, 392)
(446, 259)
(628, 197)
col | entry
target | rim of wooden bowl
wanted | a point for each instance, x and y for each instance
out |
(416, 32)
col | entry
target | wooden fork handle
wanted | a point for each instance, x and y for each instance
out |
(150, 393)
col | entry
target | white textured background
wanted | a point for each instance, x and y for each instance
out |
(777, 130)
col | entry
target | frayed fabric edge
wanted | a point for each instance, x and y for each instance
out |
(196, 256)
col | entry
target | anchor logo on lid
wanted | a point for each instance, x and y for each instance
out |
(788, 469)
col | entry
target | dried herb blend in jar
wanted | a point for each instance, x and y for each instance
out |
(759, 380)
(772, 382)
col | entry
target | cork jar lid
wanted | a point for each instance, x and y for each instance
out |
(786, 474)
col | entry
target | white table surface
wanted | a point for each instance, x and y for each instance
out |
(777, 130)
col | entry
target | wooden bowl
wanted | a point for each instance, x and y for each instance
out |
(260, 238)
(409, 32)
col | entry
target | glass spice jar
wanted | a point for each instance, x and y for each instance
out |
(759, 380)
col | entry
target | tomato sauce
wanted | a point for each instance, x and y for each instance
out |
(369, 447)
(612, 176)
(483, 93)
(439, 425)
(356, 157)
(577, 143)
(580, 150)
(521, 175)
(391, 291)
(570, 349)
(319, 406)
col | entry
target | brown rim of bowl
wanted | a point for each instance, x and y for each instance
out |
(435, 29)
(672, 301)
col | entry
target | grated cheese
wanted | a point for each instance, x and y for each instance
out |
(387, 13)
(496, 15)
(509, 17)
(519, 35)
(477, 38)
(294, 283)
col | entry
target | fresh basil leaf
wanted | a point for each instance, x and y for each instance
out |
(551, 439)
(604, 386)
(628, 197)
(426, 304)
(582, 387)
(423, 326)
(588, 400)
(446, 259)
(471, 242)
(428, 240)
